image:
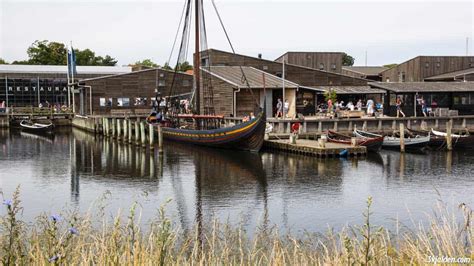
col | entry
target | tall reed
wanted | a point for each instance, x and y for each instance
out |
(73, 239)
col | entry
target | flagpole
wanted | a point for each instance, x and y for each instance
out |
(68, 81)
(72, 75)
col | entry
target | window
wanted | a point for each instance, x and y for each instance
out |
(427, 64)
(265, 67)
(387, 80)
(278, 74)
(161, 83)
(186, 82)
(105, 102)
(123, 102)
(321, 66)
(162, 75)
(140, 101)
(333, 66)
(438, 65)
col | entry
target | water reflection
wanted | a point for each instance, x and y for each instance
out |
(292, 191)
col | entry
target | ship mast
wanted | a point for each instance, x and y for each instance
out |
(197, 60)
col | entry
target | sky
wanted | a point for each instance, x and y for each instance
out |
(389, 31)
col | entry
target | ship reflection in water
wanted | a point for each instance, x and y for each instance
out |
(74, 169)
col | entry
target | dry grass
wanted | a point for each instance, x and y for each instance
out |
(74, 240)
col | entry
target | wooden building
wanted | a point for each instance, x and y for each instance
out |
(366, 72)
(421, 68)
(461, 75)
(326, 61)
(132, 92)
(312, 82)
(30, 85)
(237, 95)
(458, 96)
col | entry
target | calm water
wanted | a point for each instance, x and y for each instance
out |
(74, 169)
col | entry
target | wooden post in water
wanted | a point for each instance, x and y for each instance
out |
(402, 137)
(130, 135)
(137, 133)
(119, 128)
(142, 133)
(449, 139)
(151, 131)
(125, 130)
(114, 129)
(105, 126)
(160, 139)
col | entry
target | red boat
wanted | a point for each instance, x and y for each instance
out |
(372, 143)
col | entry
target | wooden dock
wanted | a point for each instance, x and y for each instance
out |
(312, 148)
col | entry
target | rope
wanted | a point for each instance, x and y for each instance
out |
(177, 32)
(233, 51)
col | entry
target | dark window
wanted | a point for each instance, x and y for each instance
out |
(321, 66)
(333, 66)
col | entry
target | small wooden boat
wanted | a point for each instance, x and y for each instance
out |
(377, 140)
(438, 138)
(29, 125)
(415, 142)
(372, 143)
(458, 140)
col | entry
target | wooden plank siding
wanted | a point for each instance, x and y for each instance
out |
(328, 61)
(421, 67)
(303, 76)
(132, 85)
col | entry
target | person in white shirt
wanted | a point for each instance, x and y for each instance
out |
(286, 108)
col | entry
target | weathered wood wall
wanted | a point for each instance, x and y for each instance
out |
(132, 85)
(330, 61)
(421, 67)
(303, 76)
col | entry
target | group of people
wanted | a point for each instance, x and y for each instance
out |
(371, 106)
(282, 108)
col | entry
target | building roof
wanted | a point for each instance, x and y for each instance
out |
(233, 75)
(306, 52)
(134, 72)
(287, 64)
(106, 70)
(452, 75)
(366, 70)
(351, 89)
(424, 86)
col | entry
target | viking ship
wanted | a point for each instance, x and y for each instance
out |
(207, 128)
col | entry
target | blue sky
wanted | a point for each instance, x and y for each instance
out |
(390, 31)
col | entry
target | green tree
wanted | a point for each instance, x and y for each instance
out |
(390, 65)
(331, 94)
(146, 63)
(347, 60)
(167, 66)
(2, 61)
(47, 53)
(54, 53)
(183, 67)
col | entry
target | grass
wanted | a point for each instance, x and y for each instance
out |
(75, 239)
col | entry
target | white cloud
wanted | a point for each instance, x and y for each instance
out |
(130, 30)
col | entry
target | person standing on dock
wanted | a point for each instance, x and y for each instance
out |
(399, 107)
(286, 108)
(279, 108)
(359, 105)
(370, 107)
(330, 106)
(424, 108)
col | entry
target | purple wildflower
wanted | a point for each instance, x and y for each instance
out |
(53, 258)
(73, 231)
(7, 202)
(55, 218)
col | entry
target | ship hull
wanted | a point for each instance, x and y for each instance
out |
(246, 136)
